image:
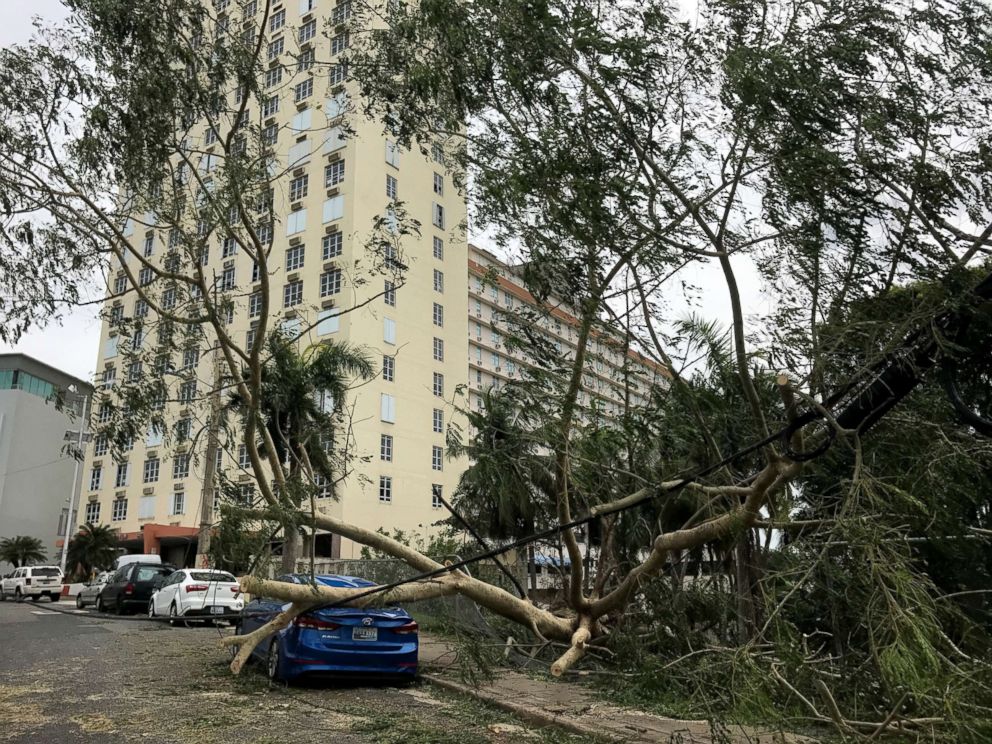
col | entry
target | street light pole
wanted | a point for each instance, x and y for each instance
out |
(83, 423)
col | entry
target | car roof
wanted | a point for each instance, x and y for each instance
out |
(337, 581)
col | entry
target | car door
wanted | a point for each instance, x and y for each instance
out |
(168, 593)
(113, 588)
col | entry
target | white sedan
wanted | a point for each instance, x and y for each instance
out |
(200, 593)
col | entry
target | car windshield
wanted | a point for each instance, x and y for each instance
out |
(44, 572)
(212, 576)
(147, 573)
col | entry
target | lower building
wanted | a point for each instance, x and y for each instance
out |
(40, 407)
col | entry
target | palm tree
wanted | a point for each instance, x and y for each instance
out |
(22, 550)
(300, 395)
(93, 548)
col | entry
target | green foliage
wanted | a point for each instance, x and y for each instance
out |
(93, 548)
(22, 550)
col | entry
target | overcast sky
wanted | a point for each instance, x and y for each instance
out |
(72, 344)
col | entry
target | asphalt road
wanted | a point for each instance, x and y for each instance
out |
(79, 678)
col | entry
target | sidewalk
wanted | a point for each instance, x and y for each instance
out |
(570, 706)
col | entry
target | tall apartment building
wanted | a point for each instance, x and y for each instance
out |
(616, 376)
(36, 472)
(331, 189)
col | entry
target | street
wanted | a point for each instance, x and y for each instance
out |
(73, 676)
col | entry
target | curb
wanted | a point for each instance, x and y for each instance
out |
(526, 713)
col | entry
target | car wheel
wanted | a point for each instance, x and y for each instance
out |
(55, 597)
(79, 601)
(273, 665)
(100, 606)
(175, 619)
(3, 597)
(151, 608)
(119, 605)
(35, 597)
(18, 597)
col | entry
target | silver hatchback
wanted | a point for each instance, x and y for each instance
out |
(88, 594)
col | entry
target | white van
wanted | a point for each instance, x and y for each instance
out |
(123, 560)
(33, 581)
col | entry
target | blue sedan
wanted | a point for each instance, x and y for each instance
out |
(336, 641)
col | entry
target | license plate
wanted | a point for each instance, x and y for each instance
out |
(364, 634)
(216, 610)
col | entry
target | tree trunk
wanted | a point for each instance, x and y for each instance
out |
(290, 550)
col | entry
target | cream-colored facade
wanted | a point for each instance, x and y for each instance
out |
(616, 377)
(330, 189)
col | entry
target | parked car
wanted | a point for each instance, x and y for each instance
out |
(33, 582)
(88, 594)
(197, 593)
(337, 641)
(130, 587)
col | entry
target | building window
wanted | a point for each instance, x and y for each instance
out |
(438, 248)
(305, 60)
(438, 349)
(438, 315)
(307, 31)
(146, 507)
(341, 12)
(187, 391)
(276, 47)
(140, 308)
(439, 184)
(438, 281)
(388, 368)
(389, 330)
(388, 408)
(273, 76)
(337, 74)
(229, 247)
(254, 304)
(339, 43)
(96, 478)
(437, 458)
(334, 173)
(227, 279)
(437, 153)
(149, 245)
(438, 385)
(298, 187)
(151, 469)
(134, 372)
(277, 20)
(386, 448)
(392, 187)
(331, 245)
(178, 503)
(101, 445)
(292, 294)
(243, 460)
(437, 216)
(120, 479)
(119, 511)
(436, 496)
(294, 258)
(389, 294)
(304, 90)
(270, 106)
(93, 512)
(392, 154)
(385, 489)
(330, 282)
(438, 421)
(120, 285)
(145, 276)
(180, 466)
(323, 486)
